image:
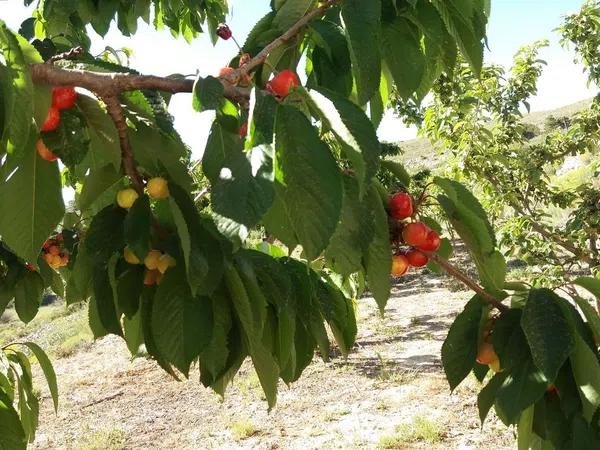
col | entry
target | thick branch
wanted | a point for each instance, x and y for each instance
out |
(106, 84)
(115, 110)
(471, 284)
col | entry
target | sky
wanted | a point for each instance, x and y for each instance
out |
(513, 23)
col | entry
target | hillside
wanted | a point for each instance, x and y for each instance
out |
(419, 153)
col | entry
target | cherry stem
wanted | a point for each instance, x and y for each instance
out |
(236, 43)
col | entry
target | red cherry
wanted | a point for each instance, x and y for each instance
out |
(244, 130)
(63, 97)
(224, 32)
(281, 83)
(415, 234)
(30, 267)
(44, 152)
(52, 119)
(432, 243)
(401, 206)
(399, 265)
(47, 244)
(416, 258)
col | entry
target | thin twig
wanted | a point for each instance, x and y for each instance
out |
(471, 284)
(285, 37)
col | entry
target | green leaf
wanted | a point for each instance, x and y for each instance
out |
(525, 429)
(213, 358)
(310, 180)
(487, 396)
(47, 369)
(591, 316)
(460, 347)
(137, 226)
(105, 234)
(522, 388)
(31, 204)
(28, 295)
(181, 323)
(470, 221)
(104, 140)
(363, 29)
(332, 67)
(354, 131)
(130, 285)
(354, 233)
(403, 55)
(203, 254)
(509, 341)
(12, 435)
(104, 304)
(290, 12)
(97, 183)
(157, 152)
(17, 92)
(207, 94)
(460, 26)
(251, 316)
(244, 192)
(377, 259)
(398, 170)
(548, 333)
(339, 313)
(133, 333)
(263, 107)
(586, 370)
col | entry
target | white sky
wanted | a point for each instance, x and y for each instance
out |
(513, 24)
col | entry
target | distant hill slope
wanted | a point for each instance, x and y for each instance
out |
(419, 153)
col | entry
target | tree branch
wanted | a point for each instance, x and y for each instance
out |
(471, 284)
(106, 84)
(115, 110)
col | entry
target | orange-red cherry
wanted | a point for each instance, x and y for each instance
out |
(281, 83)
(44, 152)
(52, 119)
(399, 265)
(417, 258)
(432, 243)
(401, 206)
(415, 234)
(63, 97)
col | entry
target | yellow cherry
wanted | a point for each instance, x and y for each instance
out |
(130, 257)
(152, 258)
(158, 188)
(127, 197)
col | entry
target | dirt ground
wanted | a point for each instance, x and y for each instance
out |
(392, 380)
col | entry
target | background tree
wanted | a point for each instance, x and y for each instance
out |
(177, 275)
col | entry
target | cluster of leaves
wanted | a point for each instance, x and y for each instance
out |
(63, 22)
(479, 120)
(549, 365)
(16, 382)
(305, 172)
(582, 30)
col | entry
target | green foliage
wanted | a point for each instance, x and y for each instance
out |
(306, 173)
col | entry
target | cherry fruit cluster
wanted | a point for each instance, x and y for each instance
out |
(54, 253)
(63, 97)
(416, 238)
